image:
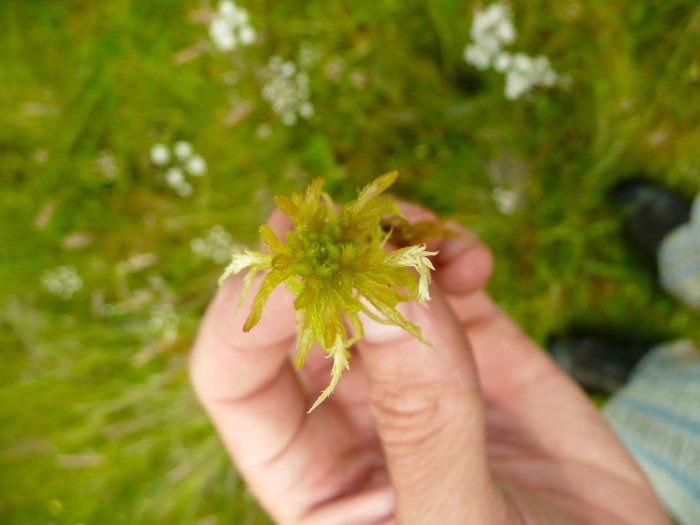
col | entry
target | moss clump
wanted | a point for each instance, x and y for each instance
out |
(335, 262)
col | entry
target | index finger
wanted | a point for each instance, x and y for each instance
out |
(239, 375)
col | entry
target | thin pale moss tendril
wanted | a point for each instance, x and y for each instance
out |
(335, 263)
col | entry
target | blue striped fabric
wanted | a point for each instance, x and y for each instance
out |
(657, 416)
(679, 260)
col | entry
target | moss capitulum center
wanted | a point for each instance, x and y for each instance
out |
(324, 253)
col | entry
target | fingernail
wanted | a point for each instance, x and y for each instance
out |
(453, 248)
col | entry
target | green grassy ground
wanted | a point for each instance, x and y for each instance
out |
(97, 422)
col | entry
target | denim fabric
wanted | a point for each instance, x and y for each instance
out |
(657, 416)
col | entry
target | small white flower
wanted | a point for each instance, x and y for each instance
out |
(164, 322)
(196, 166)
(216, 245)
(507, 201)
(542, 73)
(306, 110)
(288, 69)
(107, 165)
(525, 73)
(184, 189)
(247, 35)
(492, 29)
(183, 150)
(230, 26)
(505, 30)
(63, 281)
(160, 154)
(517, 85)
(494, 23)
(477, 56)
(237, 17)
(186, 162)
(227, 8)
(503, 62)
(521, 62)
(174, 177)
(221, 33)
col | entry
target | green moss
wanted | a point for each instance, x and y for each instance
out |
(335, 262)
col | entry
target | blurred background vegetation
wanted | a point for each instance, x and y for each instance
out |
(97, 421)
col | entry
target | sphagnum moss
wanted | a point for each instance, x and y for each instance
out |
(335, 262)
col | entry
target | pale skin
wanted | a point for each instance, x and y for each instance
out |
(482, 429)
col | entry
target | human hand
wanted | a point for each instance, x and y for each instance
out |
(482, 429)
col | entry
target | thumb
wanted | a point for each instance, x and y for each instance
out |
(429, 414)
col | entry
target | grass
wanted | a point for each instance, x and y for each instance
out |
(97, 422)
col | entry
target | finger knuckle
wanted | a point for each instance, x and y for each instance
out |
(408, 413)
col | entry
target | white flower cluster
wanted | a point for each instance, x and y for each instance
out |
(524, 73)
(230, 27)
(287, 90)
(181, 160)
(164, 322)
(492, 30)
(509, 176)
(308, 55)
(106, 165)
(63, 281)
(507, 201)
(216, 245)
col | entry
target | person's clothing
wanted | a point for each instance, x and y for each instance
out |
(657, 416)
(679, 261)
